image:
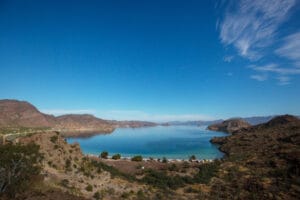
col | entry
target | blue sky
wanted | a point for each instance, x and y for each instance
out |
(152, 60)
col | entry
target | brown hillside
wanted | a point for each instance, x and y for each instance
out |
(15, 113)
(229, 125)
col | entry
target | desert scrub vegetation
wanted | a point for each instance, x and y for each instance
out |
(116, 156)
(112, 170)
(19, 165)
(104, 154)
(206, 172)
(54, 139)
(164, 181)
(137, 158)
(89, 188)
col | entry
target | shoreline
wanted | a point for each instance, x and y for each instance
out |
(149, 159)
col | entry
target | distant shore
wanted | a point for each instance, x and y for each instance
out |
(148, 159)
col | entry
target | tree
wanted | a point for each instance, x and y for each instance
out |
(104, 154)
(164, 160)
(116, 156)
(193, 157)
(18, 165)
(137, 158)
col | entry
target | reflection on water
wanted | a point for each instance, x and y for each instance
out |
(162, 141)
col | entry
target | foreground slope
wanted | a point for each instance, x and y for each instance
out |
(263, 161)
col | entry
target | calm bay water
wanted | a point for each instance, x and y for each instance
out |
(173, 142)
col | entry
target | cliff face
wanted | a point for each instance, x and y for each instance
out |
(264, 160)
(229, 126)
(15, 113)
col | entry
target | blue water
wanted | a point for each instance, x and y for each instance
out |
(173, 142)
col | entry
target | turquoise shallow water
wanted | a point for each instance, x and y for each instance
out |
(173, 142)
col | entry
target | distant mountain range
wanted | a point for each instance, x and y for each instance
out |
(14, 113)
(251, 120)
(192, 123)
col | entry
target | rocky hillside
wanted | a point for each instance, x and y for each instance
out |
(83, 123)
(262, 161)
(15, 113)
(67, 169)
(229, 125)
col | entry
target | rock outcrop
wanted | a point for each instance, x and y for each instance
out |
(230, 125)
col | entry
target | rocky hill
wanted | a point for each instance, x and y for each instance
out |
(229, 125)
(262, 162)
(72, 125)
(15, 113)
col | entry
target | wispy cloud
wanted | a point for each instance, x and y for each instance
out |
(228, 58)
(259, 77)
(250, 25)
(284, 80)
(282, 74)
(65, 111)
(276, 69)
(290, 48)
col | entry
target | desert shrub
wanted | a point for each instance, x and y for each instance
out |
(206, 172)
(68, 164)
(104, 154)
(54, 139)
(172, 167)
(19, 164)
(193, 157)
(137, 158)
(97, 195)
(162, 180)
(89, 188)
(140, 195)
(125, 195)
(64, 183)
(116, 156)
(164, 160)
(190, 190)
(114, 172)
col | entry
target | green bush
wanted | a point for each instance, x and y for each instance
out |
(137, 158)
(97, 195)
(164, 160)
(114, 172)
(104, 154)
(19, 164)
(65, 183)
(193, 157)
(89, 188)
(68, 165)
(116, 156)
(54, 139)
(162, 180)
(125, 195)
(206, 172)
